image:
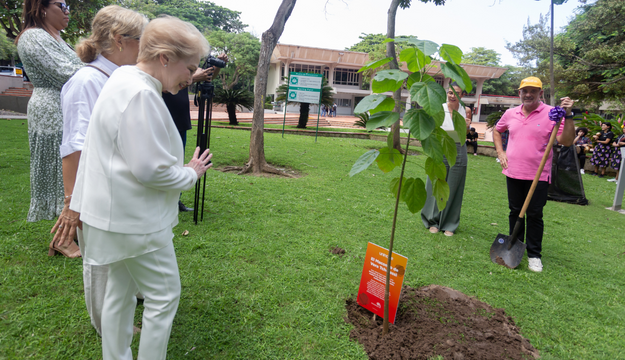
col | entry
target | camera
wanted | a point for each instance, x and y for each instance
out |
(213, 61)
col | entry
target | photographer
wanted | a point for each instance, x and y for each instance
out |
(178, 105)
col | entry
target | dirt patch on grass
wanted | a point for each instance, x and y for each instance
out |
(436, 320)
(337, 251)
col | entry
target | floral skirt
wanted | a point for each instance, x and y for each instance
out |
(601, 155)
(615, 158)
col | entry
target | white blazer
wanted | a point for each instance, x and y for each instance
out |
(131, 168)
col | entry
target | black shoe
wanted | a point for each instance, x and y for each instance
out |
(182, 207)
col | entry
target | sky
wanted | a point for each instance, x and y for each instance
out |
(337, 24)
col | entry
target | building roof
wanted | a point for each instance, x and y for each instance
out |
(356, 60)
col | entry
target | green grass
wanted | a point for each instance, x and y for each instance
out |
(259, 281)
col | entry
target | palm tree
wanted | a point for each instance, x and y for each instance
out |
(233, 98)
(304, 108)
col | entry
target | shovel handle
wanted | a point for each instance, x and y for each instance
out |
(526, 204)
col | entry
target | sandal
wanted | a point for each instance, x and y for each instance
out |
(448, 233)
(433, 230)
(72, 251)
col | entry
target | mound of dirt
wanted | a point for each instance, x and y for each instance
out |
(437, 320)
(337, 251)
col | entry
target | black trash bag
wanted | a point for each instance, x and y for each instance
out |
(566, 181)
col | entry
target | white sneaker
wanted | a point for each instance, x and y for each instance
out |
(612, 180)
(535, 264)
(581, 171)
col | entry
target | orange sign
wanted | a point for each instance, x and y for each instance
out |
(373, 281)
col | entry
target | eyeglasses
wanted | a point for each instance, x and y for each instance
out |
(63, 6)
(138, 38)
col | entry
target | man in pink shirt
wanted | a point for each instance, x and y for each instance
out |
(530, 128)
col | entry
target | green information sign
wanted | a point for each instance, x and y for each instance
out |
(305, 87)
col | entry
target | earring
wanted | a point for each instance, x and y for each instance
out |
(165, 65)
(44, 14)
(120, 49)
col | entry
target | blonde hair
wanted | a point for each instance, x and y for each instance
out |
(108, 22)
(170, 36)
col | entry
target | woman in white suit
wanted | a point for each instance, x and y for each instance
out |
(129, 177)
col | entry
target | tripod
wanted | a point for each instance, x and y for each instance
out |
(204, 102)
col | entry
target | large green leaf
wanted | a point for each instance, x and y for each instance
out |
(430, 95)
(460, 125)
(418, 77)
(415, 59)
(449, 147)
(439, 118)
(440, 191)
(435, 170)
(382, 118)
(375, 64)
(374, 103)
(388, 80)
(364, 161)
(413, 193)
(420, 123)
(389, 159)
(395, 185)
(432, 147)
(457, 74)
(426, 46)
(451, 53)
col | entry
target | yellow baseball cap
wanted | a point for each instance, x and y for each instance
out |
(531, 81)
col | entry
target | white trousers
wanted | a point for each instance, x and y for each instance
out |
(94, 280)
(156, 276)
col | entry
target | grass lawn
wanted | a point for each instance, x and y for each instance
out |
(259, 282)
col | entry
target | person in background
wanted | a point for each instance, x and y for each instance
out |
(114, 42)
(448, 219)
(601, 154)
(472, 140)
(615, 156)
(530, 129)
(582, 143)
(180, 110)
(334, 109)
(49, 62)
(129, 179)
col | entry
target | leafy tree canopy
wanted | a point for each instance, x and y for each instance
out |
(482, 56)
(243, 50)
(7, 47)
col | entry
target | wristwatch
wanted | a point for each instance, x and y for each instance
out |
(569, 116)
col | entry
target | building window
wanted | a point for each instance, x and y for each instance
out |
(344, 102)
(439, 80)
(305, 68)
(349, 77)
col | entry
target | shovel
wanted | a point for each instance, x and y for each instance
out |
(508, 250)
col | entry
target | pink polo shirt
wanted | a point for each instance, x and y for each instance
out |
(527, 142)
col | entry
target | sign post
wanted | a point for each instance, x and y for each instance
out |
(304, 88)
(373, 281)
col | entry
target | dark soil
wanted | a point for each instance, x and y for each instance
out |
(436, 320)
(337, 251)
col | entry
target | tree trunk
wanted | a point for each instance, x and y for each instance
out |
(257, 162)
(304, 110)
(390, 52)
(232, 114)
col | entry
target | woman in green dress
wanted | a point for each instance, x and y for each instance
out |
(49, 63)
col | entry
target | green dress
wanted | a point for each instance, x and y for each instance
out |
(49, 64)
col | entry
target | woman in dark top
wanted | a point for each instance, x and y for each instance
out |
(601, 155)
(582, 145)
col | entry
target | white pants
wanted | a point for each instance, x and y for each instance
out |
(94, 280)
(156, 276)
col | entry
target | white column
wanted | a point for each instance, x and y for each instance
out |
(478, 93)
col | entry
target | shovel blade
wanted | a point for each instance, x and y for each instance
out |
(499, 253)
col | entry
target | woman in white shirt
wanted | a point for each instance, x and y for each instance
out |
(129, 177)
(448, 219)
(114, 42)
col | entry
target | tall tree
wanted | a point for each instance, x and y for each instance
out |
(592, 52)
(257, 162)
(205, 15)
(243, 50)
(482, 56)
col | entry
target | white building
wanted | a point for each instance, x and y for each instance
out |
(340, 68)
